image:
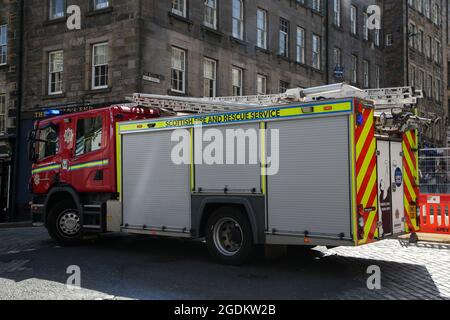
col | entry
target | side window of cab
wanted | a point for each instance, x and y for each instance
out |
(89, 135)
(48, 143)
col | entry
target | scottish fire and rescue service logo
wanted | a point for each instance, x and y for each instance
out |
(65, 165)
(37, 179)
(68, 136)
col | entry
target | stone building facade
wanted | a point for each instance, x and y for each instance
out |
(10, 32)
(415, 51)
(355, 51)
(191, 48)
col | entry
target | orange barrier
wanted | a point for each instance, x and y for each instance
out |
(434, 213)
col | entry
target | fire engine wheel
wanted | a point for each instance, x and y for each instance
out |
(64, 224)
(229, 236)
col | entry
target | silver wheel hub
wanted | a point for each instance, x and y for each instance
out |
(69, 223)
(228, 236)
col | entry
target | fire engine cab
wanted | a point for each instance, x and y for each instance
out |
(110, 170)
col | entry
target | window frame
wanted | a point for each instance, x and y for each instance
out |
(365, 26)
(284, 30)
(58, 142)
(213, 79)
(240, 79)
(214, 10)
(354, 20)
(337, 57)
(366, 73)
(264, 78)
(238, 34)
(262, 33)
(4, 30)
(50, 72)
(51, 16)
(301, 45)
(182, 70)
(178, 12)
(3, 113)
(337, 13)
(95, 5)
(318, 40)
(93, 86)
(355, 61)
(103, 140)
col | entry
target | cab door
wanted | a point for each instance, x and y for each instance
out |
(88, 160)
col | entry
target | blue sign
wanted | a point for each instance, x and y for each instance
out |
(339, 72)
(398, 177)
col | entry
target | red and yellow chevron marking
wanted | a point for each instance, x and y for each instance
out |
(366, 177)
(410, 178)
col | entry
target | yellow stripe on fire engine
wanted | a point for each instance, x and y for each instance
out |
(363, 174)
(119, 161)
(240, 116)
(353, 180)
(411, 165)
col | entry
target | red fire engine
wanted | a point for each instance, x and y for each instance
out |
(110, 170)
(74, 167)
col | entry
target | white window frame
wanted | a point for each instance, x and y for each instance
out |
(428, 47)
(366, 27)
(93, 75)
(316, 52)
(181, 70)
(337, 12)
(419, 4)
(301, 48)
(58, 15)
(284, 38)
(411, 35)
(377, 76)
(437, 89)
(208, 79)
(337, 55)
(366, 73)
(437, 50)
(317, 5)
(412, 76)
(101, 4)
(238, 20)
(179, 7)
(377, 37)
(427, 8)
(237, 85)
(420, 36)
(52, 72)
(354, 69)
(262, 30)
(3, 113)
(3, 44)
(354, 20)
(210, 19)
(261, 84)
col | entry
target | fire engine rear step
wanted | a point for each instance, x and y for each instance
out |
(93, 220)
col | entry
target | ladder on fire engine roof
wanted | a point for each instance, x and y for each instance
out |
(383, 99)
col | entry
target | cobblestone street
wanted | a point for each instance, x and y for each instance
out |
(129, 267)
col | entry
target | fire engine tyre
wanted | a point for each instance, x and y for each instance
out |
(229, 237)
(64, 224)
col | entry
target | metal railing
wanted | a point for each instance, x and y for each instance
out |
(434, 171)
